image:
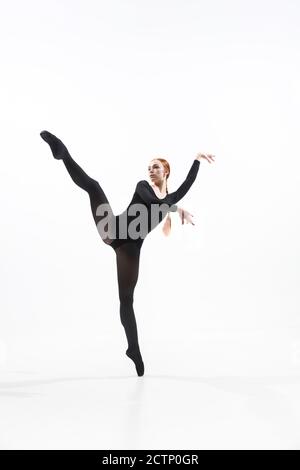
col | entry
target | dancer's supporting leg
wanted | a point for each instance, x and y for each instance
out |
(128, 256)
(93, 188)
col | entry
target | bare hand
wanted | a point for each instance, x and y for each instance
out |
(185, 215)
(207, 156)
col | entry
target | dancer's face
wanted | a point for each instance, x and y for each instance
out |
(156, 171)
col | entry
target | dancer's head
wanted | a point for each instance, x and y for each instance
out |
(159, 171)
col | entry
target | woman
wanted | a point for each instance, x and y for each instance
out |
(122, 234)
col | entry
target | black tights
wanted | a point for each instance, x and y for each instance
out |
(127, 255)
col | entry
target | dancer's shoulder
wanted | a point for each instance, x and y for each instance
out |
(142, 183)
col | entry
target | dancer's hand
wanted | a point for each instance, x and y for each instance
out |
(185, 215)
(207, 156)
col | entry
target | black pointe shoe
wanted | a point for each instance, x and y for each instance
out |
(58, 149)
(136, 357)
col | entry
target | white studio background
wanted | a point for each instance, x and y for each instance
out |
(122, 82)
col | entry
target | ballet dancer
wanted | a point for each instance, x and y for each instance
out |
(120, 231)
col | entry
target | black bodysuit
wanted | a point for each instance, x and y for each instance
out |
(144, 194)
(127, 250)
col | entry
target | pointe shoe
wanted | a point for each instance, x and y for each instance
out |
(138, 361)
(58, 149)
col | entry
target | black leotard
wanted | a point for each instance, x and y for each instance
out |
(127, 250)
(144, 194)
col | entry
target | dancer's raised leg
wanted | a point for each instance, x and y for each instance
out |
(93, 188)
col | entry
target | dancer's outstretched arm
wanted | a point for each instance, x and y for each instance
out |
(191, 176)
(185, 186)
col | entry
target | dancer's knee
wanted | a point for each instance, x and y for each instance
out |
(126, 298)
(93, 186)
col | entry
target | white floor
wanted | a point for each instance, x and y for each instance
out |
(198, 397)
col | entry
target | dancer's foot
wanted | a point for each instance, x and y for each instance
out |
(58, 149)
(136, 357)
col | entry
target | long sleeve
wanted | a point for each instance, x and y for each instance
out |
(185, 186)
